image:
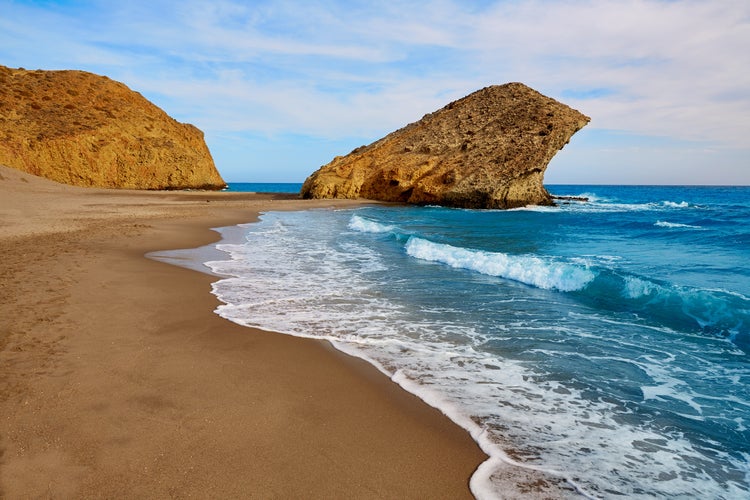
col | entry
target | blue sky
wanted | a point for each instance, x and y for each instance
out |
(281, 87)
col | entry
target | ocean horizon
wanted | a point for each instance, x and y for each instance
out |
(603, 342)
(264, 187)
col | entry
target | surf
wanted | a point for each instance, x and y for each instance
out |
(596, 342)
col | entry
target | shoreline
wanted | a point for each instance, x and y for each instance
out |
(118, 377)
(499, 475)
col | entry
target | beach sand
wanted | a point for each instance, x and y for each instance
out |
(118, 380)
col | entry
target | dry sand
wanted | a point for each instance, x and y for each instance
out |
(118, 380)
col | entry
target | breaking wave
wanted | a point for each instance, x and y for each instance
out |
(715, 313)
(363, 225)
(675, 225)
(568, 346)
(594, 281)
(528, 269)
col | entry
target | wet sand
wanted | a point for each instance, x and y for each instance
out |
(118, 380)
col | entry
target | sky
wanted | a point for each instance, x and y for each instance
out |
(281, 87)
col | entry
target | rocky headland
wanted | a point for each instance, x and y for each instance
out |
(83, 129)
(489, 149)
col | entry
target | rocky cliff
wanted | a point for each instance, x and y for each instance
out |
(87, 130)
(487, 150)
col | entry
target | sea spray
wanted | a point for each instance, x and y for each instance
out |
(632, 382)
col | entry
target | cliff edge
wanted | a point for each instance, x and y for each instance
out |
(489, 149)
(83, 129)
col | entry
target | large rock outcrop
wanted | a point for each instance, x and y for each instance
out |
(487, 150)
(83, 129)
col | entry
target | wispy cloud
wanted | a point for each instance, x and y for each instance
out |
(335, 69)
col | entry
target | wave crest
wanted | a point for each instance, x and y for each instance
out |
(534, 271)
(674, 225)
(673, 204)
(363, 225)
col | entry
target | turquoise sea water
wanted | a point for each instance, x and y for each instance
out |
(264, 187)
(603, 342)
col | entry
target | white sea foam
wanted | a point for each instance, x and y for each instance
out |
(531, 270)
(295, 276)
(603, 205)
(594, 207)
(592, 197)
(535, 208)
(672, 204)
(364, 225)
(636, 287)
(661, 223)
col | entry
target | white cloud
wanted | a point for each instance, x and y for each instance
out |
(676, 69)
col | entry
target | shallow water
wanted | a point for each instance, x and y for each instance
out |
(605, 342)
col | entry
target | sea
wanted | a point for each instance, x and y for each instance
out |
(604, 341)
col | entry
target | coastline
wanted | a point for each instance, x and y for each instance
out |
(118, 378)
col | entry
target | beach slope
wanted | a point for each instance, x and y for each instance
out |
(118, 380)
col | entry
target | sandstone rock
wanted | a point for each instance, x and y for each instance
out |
(487, 150)
(87, 130)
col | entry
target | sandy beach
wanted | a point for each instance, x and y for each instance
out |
(118, 380)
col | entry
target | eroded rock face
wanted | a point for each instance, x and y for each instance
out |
(87, 130)
(487, 150)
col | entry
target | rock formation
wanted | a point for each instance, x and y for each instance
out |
(487, 150)
(87, 130)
